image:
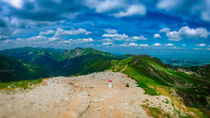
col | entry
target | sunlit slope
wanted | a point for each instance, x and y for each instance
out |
(150, 74)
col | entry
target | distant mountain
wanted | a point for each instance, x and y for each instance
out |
(65, 62)
(13, 70)
(84, 51)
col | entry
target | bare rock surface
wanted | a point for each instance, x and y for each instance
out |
(86, 96)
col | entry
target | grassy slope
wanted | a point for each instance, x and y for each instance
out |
(14, 70)
(156, 78)
(85, 64)
(153, 76)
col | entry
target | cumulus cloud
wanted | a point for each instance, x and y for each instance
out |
(105, 5)
(201, 45)
(157, 44)
(141, 37)
(46, 10)
(165, 29)
(15, 3)
(60, 32)
(84, 40)
(112, 34)
(48, 32)
(107, 43)
(157, 36)
(189, 8)
(117, 36)
(111, 31)
(76, 41)
(187, 32)
(132, 44)
(169, 44)
(132, 10)
(117, 8)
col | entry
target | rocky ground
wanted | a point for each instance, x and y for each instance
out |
(86, 96)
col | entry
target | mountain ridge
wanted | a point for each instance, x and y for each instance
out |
(150, 73)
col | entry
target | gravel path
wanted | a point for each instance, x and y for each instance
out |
(85, 96)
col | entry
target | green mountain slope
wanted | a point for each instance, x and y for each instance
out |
(65, 62)
(189, 86)
(153, 76)
(84, 51)
(85, 64)
(14, 70)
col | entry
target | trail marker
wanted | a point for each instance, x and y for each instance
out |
(110, 84)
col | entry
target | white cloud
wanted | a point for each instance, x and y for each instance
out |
(186, 32)
(188, 8)
(78, 41)
(132, 10)
(107, 43)
(15, 3)
(39, 37)
(113, 35)
(107, 39)
(48, 32)
(132, 44)
(174, 36)
(143, 45)
(141, 37)
(104, 5)
(201, 45)
(111, 31)
(117, 8)
(169, 44)
(60, 32)
(157, 36)
(157, 44)
(168, 4)
(165, 29)
(119, 37)
(85, 40)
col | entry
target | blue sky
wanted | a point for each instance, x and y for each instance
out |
(154, 27)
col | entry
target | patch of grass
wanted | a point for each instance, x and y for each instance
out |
(127, 85)
(147, 89)
(157, 112)
(167, 101)
(19, 84)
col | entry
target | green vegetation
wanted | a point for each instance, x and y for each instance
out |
(157, 112)
(150, 73)
(127, 85)
(19, 84)
(15, 70)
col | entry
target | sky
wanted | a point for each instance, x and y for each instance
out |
(178, 28)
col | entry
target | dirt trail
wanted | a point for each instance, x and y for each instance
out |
(85, 96)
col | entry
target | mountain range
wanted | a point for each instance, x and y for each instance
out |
(187, 84)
